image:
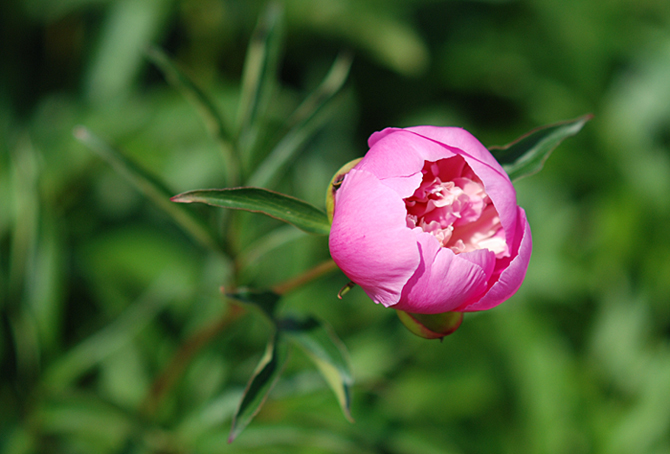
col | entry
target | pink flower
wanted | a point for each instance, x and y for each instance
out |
(427, 222)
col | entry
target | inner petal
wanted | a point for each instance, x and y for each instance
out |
(452, 205)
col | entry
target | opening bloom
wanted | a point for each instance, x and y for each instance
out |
(427, 222)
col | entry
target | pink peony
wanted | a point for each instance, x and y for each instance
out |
(427, 222)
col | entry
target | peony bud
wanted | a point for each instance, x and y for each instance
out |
(427, 223)
(431, 326)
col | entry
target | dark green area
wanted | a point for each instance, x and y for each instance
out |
(100, 288)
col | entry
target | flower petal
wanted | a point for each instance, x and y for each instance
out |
(496, 181)
(513, 274)
(369, 239)
(443, 280)
(460, 138)
(396, 157)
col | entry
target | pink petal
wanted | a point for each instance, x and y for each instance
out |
(461, 139)
(397, 157)
(444, 280)
(512, 276)
(496, 181)
(369, 239)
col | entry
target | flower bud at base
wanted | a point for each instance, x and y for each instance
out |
(431, 326)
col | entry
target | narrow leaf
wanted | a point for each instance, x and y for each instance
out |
(285, 208)
(258, 76)
(265, 300)
(81, 358)
(261, 383)
(210, 114)
(303, 123)
(154, 189)
(526, 155)
(268, 242)
(327, 352)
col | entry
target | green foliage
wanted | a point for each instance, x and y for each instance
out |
(103, 294)
(261, 383)
(285, 208)
(527, 155)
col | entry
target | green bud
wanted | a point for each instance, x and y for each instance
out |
(431, 326)
(335, 183)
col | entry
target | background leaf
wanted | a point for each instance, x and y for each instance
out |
(258, 78)
(205, 106)
(285, 208)
(526, 155)
(154, 189)
(266, 301)
(261, 383)
(327, 352)
(303, 123)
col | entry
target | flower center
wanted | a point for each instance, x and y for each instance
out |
(452, 205)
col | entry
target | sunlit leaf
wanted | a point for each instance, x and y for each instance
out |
(265, 300)
(304, 122)
(285, 208)
(262, 381)
(526, 155)
(154, 189)
(327, 352)
(205, 105)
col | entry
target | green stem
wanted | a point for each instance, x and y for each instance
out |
(308, 276)
(182, 358)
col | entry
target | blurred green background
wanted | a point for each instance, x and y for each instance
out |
(99, 288)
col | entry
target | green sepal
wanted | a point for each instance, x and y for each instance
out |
(335, 184)
(431, 326)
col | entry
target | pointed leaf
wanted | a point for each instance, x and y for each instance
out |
(304, 122)
(526, 155)
(203, 103)
(265, 300)
(154, 189)
(283, 207)
(268, 242)
(259, 76)
(261, 383)
(327, 352)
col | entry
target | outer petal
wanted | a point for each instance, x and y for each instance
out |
(369, 239)
(496, 181)
(512, 276)
(461, 139)
(444, 280)
(396, 157)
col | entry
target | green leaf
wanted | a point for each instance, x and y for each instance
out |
(258, 77)
(154, 189)
(526, 155)
(261, 383)
(80, 359)
(268, 242)
(303, 123)
(283, 207)
(327, 352)
(265, 300)
(211, 115)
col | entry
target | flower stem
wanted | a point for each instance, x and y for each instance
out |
(308, 276)
(182, 358)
